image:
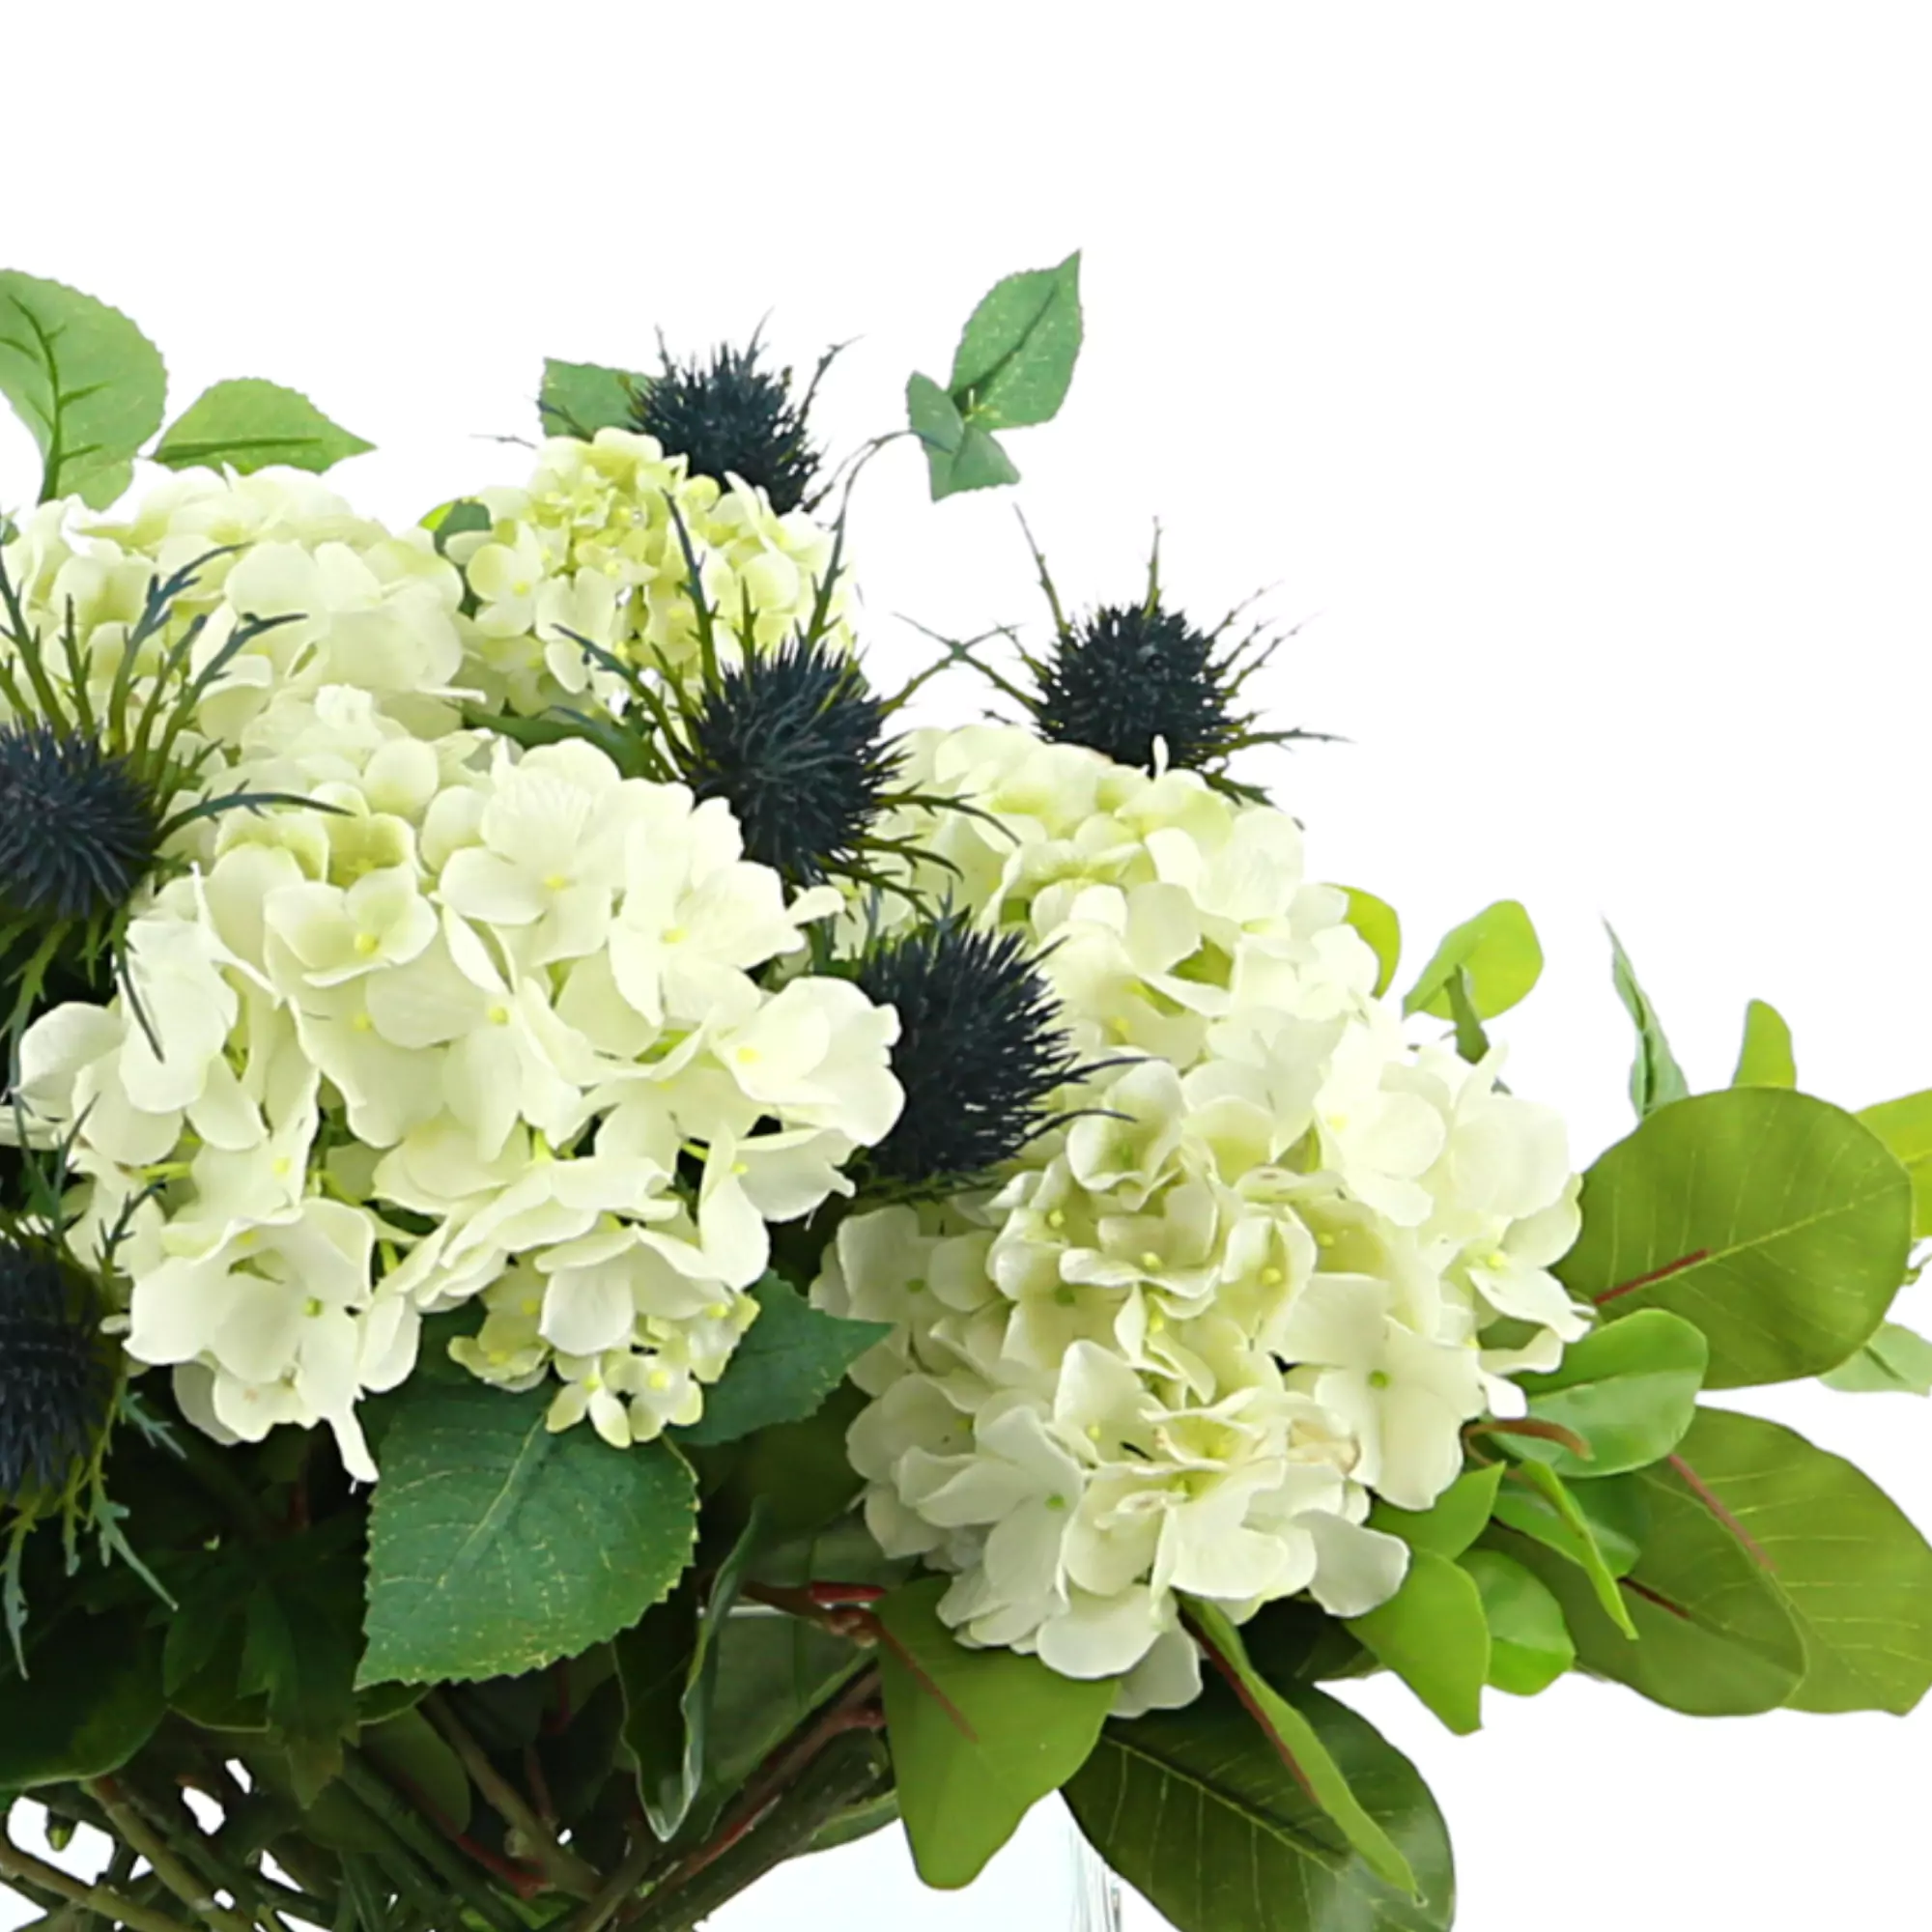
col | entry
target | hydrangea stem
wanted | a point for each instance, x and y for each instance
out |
(36, 1877)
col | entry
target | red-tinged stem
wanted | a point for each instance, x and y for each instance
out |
(845, 1593)
(1708, 1497)
(521, 1879)
(1651, 1595)
(1251, 1704)
(1664, 1273)
(1534, 1425)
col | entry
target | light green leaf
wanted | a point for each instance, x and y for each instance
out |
(1615, 1520)
(1378, 922)
(1196, 1811)
(89, 386)
(1300, 1744)
(1894, 1361)
(497, 1547)
(1499, 950)
(959, 456)
(250, 424)
(1849, 1564)
(579, 398)
(91, 1700)
(1628, 1389)
(1656, 1078)
(978, 1737)
(790, 1360)
(1433, 1635)
(1714, 1636)
(1765, 1059)
(1529, 1642)
(1015, 359)
(1776, 1222)
(1578, 1543)
(1452, 1522)
(1905, 1126)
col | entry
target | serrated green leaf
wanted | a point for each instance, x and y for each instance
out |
(1656, 1078)
(579, 398)
(1433, 1635)
(959, 456)
(1849, 1564)
(1765, 1059)
(1199, 1814)
(1905, 1126)
(789, 1360)
(1777, 1223)
(1529, 1642)
(1452, 1522)
(1895, 1361)
(88, 385)
(250, 424)
(496, 1546)
(1378, 922)
(978, 1737)
(91, 1700)
(1628, 1389)
(1501, 953)
(1016, 359)
(1579, 1544)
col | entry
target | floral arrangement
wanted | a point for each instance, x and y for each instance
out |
(616, 1266)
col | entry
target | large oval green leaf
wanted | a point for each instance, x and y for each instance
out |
(1629, 1390)
(1777, 1223)
(90, 1699)
(1196, 1811)
(1851, 1567)
(1433, 1635)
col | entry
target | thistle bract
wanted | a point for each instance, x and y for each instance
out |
(56, 1374)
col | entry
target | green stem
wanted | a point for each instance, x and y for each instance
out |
(132, 1829)
(23, 1869)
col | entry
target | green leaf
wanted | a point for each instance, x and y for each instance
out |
(1298, 1744)
(496, 1546)
(1905, 1126)
(669, 1668)
(1378, 922)
(1529, 1642)
(89, 386)
(1450, 1523)
(1765, 1058)
(460, 516)
(92, 1699)
(959, 456)
(250, 424)
(1014, 362)
(1656, 1078)
(978, 1737)
(1777, 1223)
(1846, 1559)
(1628, 1389)
(1501, 951)
(407, 1745)
(298, 1652)
(1615, 1520)
(1579, 1544)
(1195, 1810)
(1433, 1635)
(1894, 1361)
(790, 1360)
(1714, 1636)
(800, 1472)
(579, 398)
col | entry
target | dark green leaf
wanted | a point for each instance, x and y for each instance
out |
(798, 1471)
(790, 1360)
(1196, 1813)
(249, 424)
(460, 516)
(1852, 1568)
(1656, 1078)
(408, 1747)
(1501, 951)
(91, 1700)
(1433, 1635)
(1765, 1059)
(89, 386)
(579, 398)
(1015, 359)
(1905, 1126)
(978, 1737)
(1529, 1642)
(1777, 1223)
(496, 1546)
(1452, 1522)
(1894, 1361)
(1628, 1389)
(1376, 920)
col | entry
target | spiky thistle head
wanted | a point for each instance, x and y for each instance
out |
(981, 1051)
(734, 418)
(79, 830)
(57, 1370)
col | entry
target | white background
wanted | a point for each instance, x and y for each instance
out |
(1565, 368)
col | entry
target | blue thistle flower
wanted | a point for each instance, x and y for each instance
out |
(78, 830)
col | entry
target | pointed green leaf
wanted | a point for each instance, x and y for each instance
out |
(1765, 1059)
(1452, 1522)
(1615, 1515)
(1628, 1389)
(790, 1360)
(1529, 1642)
(1378, 922)
(249, 424)
(1015, 359)
(978, 1737)
(579, 398)
(1905, 1126)
(1850, 1565)
(1777, 1223)
(959, 456)
(1656, 1078)
(89, 386)
(1895, 1361)
(1577, 1539)
(1433, 1635)
(497, 1547)
(1499, 950)
(1195, 1810)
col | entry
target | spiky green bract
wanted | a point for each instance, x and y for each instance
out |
(56, 1373)
(97, 776)
(734, 418)
(980, 1051)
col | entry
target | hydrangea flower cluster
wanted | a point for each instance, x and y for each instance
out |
(1202, 1325)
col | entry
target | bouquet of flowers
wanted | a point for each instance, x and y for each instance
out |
(616, 1266)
